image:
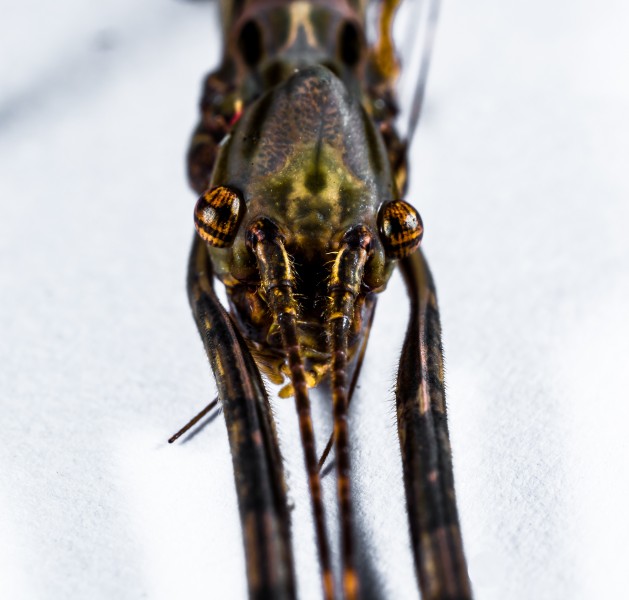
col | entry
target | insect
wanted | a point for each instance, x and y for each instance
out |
(301, 175)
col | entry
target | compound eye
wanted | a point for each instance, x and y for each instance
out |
(401, 228)
(217, 216)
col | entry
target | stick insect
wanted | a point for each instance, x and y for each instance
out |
(301, 174)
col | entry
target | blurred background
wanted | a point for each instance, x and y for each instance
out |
(519, 168)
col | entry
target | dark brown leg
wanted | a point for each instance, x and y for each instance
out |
(355, 375)
(343, 289)
(278, 282)
(425, 444)
(257, 461)
(192, 422)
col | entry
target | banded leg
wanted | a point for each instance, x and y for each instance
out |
(371, 311)
(278, 283)
(425, 444)
(257, 462)
(343, 289)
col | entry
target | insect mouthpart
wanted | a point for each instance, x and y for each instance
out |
(277, 285)
(268, 244)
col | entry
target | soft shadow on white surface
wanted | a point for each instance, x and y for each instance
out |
(519, 171)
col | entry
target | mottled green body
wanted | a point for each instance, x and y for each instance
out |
(306, 155)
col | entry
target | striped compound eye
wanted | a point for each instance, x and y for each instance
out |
(217, 216)
(401, 228)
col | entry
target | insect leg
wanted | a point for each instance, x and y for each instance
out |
(259, 475)
(277, 284)
(425, 445)
(384, 63)
(192, 422)
(383, 69)
(344, 287)
(352, 386)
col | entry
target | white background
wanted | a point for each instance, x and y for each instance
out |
(520, 172)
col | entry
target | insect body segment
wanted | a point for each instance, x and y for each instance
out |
(299, 169)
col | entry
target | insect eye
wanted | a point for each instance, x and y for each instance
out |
(217, 216)
(250, 43)
(350, 44)
(401, 228)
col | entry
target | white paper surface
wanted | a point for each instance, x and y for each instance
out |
(520, 172)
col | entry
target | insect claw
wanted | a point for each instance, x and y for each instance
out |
(193, 421)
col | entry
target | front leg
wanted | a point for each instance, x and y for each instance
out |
(425, 445)
(258, 465)
(256, 457)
